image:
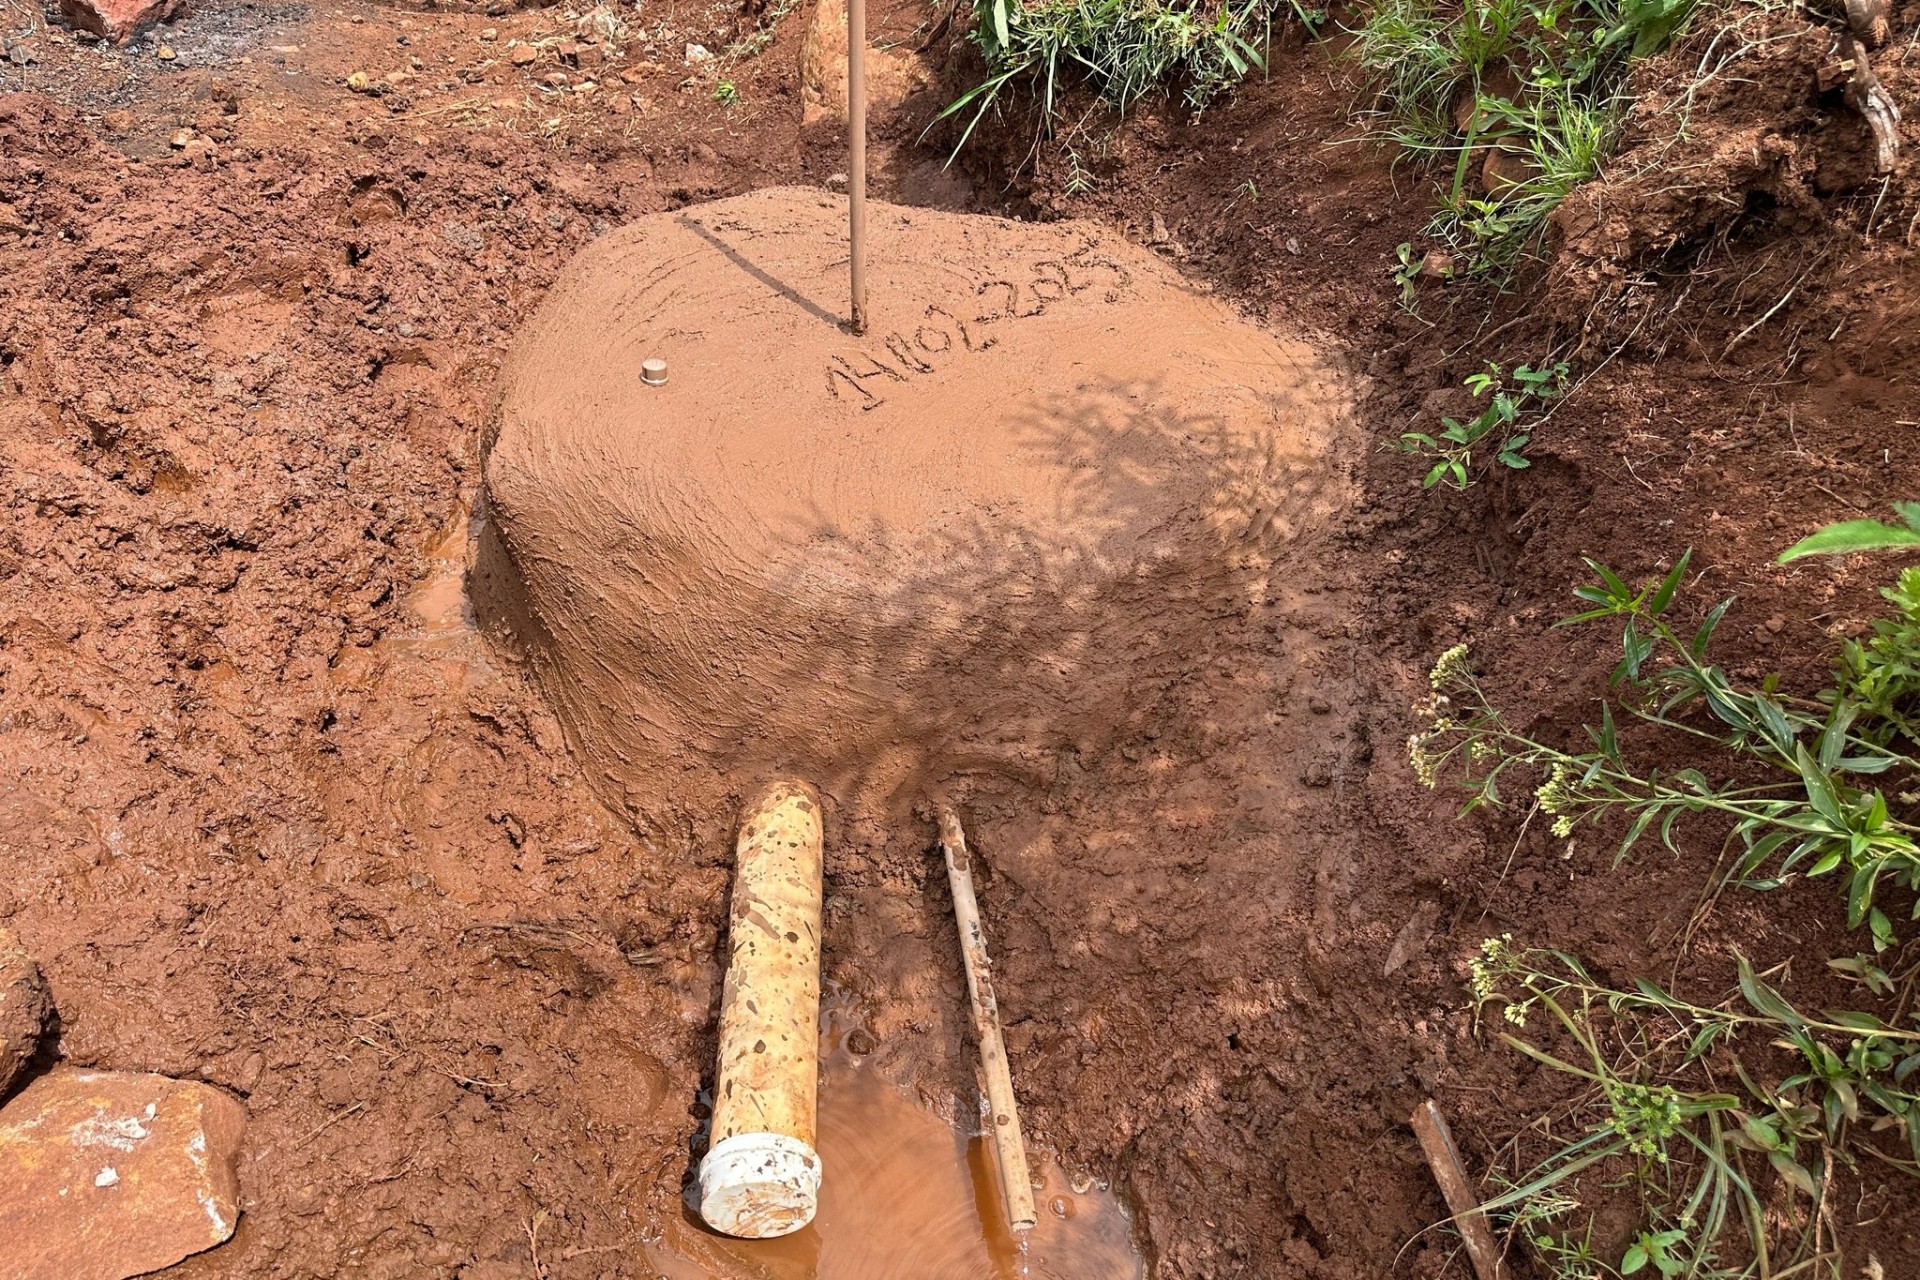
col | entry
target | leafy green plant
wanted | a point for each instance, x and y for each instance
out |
(1314, 20)
(726, 93)
(1124, 48)
(1452, 450)
(1555, 138)
(1538, 84)
(1661, 1248)
(1882, 675)
(1406, 274)
(1815, 812)
(1849, 536)
(1694, 1155)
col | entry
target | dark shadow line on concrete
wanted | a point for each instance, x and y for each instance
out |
(772, 282)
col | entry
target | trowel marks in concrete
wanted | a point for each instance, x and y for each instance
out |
(949, 545)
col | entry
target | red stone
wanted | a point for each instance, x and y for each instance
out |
(109, 1174)
(117, 20)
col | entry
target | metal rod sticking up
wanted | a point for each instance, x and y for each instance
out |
(857, 157)
(1010, 1150)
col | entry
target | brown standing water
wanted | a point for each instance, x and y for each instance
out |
(907, 1195)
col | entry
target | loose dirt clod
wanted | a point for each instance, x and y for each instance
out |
(25, 1006)
(871, 561)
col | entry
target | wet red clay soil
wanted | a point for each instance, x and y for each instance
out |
(277, 821)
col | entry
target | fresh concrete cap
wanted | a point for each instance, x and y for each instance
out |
(759, 1185)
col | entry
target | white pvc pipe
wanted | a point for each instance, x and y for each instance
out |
(761, 1176)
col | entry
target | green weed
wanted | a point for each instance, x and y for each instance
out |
(1850, 536)
(1882, 675)
(1539, 85)
(1696, 1156)
(1079, 177)
(1452, 450)
(756, 41)
(1406, 274)
(1817, 809)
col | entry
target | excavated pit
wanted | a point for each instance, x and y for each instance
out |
(879, 562)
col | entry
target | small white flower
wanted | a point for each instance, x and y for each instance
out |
(1452, 665)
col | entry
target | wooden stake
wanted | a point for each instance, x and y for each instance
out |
(1009, 1149)
(857, 158)
(1444, 1158)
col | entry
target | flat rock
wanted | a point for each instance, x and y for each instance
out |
(117, 20)
(24, 1002)
(109, 1174)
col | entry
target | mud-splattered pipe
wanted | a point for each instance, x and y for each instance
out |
(761, 1177)
(1010, 1150)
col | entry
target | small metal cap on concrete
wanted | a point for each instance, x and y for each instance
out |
(654, 372)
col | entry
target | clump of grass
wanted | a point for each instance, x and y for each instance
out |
(1539, 83)
(1656, 1123)
(1125, 49)
(755, 41)
(1836, 773)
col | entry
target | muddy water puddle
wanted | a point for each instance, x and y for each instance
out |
(907, 1197)
(439, 624)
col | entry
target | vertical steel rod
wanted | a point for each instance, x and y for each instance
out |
(857, 158)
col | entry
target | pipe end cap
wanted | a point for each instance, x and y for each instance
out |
(759, 1185)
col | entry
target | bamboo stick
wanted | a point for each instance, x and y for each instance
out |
(1009, 1150)
(1443, 1157)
